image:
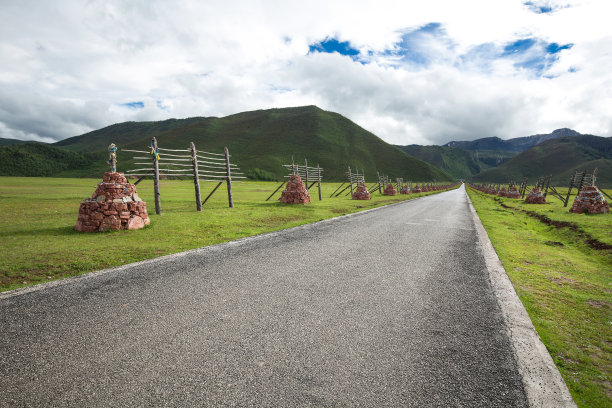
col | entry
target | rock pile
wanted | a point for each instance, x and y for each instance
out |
(361, 192)
(114, 205)
(590, 200)
(295, 192)
(502, 192)
(535, 196)
(513, 193)
(416, 189)
(405, 189)
(390, 190)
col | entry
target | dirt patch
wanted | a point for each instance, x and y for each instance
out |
(554, 243)
(598, 304)
(562, 280)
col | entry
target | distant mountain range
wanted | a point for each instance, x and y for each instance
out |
(263, 140)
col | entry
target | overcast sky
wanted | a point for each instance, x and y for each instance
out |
(424, 72)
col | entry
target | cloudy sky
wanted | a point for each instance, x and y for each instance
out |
(424, 72)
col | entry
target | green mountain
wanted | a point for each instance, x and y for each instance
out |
(459, 163)
(263, 139)
(559, 157)
(9, 142)
(41, 159)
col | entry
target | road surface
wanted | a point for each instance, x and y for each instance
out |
(391, 307)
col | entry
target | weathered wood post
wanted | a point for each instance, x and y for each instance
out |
(319, 180)
(154, 152)
(350, 177)
(306, 169)
(229, 179)
(196, 177)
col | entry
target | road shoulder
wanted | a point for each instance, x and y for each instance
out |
(543, 383)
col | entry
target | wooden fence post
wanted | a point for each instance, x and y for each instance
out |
(156, 177)
(229, 179)
(196, 178)
(319, 180)
(306, 169)
(350, 179)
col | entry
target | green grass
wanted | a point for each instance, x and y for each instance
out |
(39, 244)
(564, 284)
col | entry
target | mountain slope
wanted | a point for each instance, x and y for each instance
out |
(9, 142)
(41, 159)
(266, 139)
(559, 157)
(458, 163)
(517, 144)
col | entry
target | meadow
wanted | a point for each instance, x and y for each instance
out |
(561, 269)
(39, 244)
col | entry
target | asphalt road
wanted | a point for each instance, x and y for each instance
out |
(391, 307)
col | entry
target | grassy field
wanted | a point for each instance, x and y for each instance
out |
(39, 244)
(564, 283)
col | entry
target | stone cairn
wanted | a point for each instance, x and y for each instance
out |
(416, 189)
(405, 189)
(390, 190)
(114, 205)
(295, 192)
(513, 193)
(590, 200)
(502, 192)
(361, 192)
(535, 196)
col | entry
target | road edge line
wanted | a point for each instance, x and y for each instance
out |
(541, 379)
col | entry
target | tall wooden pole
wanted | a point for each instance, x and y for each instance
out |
(156, 178)
(319, 180)
(230, 198)
(196, 177)
(306, 169)
(350, 179)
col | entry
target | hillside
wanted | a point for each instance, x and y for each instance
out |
(41, 159)
(559, 157)
(458, 163)
(8, 142)
(263, 139)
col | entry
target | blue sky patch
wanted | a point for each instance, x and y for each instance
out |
(534, 55)
(554, 48)
(331, 45)
(134, 105)
(541, 8)
(519, 46)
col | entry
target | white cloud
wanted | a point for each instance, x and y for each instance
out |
(68, 67)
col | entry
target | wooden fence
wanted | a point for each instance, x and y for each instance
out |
(353, 178)
(309, 175)
(201, 165)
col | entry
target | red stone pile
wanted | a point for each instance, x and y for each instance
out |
(502, 192)
(513, 193)
(535, 196)
(295, 192)
(361, 192)
(390, 190)
(114, 205)
(416, 189)
(405, 189)
(590, 200)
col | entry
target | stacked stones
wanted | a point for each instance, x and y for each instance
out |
(502, 192)
(361, 192)
(295, 192)
(590, 200)
(535, 196)
(417, 189)
(114, 205)
(513, 193)
(390, 190)
(405, 189)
